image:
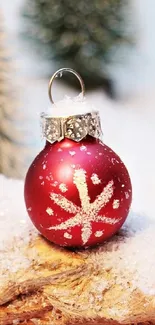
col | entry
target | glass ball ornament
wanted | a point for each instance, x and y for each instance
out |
(77, 190)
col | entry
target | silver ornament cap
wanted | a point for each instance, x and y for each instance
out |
(74, 127)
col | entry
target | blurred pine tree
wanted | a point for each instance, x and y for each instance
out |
(5, 95)
(79, 34)
(12, 151)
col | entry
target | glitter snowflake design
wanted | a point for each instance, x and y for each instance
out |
(88, 212)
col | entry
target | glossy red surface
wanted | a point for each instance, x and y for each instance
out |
(77, 194)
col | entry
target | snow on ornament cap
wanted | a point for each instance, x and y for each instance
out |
(68, 125)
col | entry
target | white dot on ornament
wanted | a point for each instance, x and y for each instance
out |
(63, 188)
(72, 153)
(99, 233)
(95, 179)
(115, 204)
(55, 184)
(59, 149)
(44, 166)
(29, 209)
(88, 153)
(42, 183)
(40, 177)
(67, 235)
(83, 148)
(113, 161)
(126, 195)
(123, 185)
(49, 211)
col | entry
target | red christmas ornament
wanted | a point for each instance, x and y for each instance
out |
(77, 193)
